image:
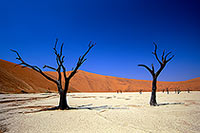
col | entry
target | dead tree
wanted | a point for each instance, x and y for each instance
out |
(62, 90)
(167, 91)
(179, 91)
(154, 74)
(140, 91)
(188, 90)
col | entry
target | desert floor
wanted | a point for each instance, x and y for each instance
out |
(101, 112)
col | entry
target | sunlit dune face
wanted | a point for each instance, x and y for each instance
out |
(15, 79)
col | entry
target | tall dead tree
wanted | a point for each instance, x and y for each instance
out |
(154, 74)
(62, 90)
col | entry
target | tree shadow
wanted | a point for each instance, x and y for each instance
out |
(98, 108)
(161, 104)
(81, 107)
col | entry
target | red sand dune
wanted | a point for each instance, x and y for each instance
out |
(15, 79)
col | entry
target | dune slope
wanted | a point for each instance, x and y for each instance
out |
(15, 79)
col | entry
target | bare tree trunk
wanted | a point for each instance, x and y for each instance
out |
(63, 99)
(153, 93)
(154, 74)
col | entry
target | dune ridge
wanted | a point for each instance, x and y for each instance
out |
(15, 79)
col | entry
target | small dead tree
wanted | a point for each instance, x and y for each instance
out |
(154, 74)
(167, 91)
(188, 90)
(179, 91)
(140, 91)
(62, 90)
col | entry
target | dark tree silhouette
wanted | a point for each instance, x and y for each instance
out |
(188, 90)
(62, 90)
(167, 91)
(179, 91)
(154, 74)
(140, 91)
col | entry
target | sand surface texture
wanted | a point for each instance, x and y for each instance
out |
(101, 112)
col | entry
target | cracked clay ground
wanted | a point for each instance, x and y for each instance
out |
(100, 112)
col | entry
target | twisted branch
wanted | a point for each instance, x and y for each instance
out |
(81, 60)
(35, 68)
(60, 66)
(162, 64)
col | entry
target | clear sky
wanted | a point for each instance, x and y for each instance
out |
(124, 31)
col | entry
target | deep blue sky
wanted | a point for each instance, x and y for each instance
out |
(123, 30)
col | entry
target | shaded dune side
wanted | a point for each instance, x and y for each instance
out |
(15, 79)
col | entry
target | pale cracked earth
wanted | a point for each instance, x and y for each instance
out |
(101, 112)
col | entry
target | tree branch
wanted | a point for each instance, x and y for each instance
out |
(170, 58)
(151, 71)
(61, 49)
(167, 55)
(36, 68)
(46, 66)
(55, 46)
(152, 67)
(60, 61)
(81, 60)
(163, 55)
(155, 53)
(160, 69)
